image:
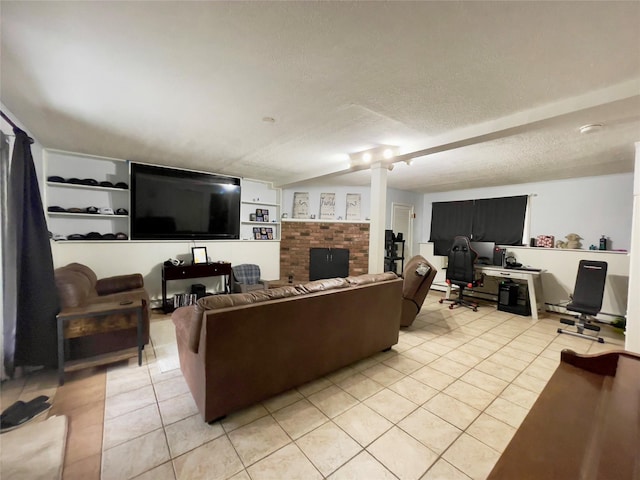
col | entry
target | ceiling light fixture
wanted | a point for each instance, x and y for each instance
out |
(590, 128)
(409, 161)
(366, 157)
(388, 153)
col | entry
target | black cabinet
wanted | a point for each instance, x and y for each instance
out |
(393, 254)
(328, 263)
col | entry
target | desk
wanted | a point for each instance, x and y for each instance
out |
(99, 312)
(533, 279)
(218, 269)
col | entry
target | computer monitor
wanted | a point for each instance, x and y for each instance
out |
(484, 251)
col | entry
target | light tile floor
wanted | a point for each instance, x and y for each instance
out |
(442, 404)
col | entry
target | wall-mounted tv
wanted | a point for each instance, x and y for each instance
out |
(174, 204)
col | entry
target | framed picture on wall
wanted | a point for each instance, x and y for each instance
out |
(199, 255)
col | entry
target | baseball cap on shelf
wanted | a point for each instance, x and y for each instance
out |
(89, 181)
(122, 236)
(94, 236)
(55, 178)
(122, 211)
(75, 236)
(92, 209)
(75, 181)
(76, 210)
(106, 211)
(109, 236)
(55, 208)
(121, 185)
(106, 183)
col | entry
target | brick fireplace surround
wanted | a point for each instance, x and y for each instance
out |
(299, 236)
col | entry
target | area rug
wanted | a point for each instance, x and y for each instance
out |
(34, 451)
(165, 347)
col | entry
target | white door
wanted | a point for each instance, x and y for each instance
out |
(402, 222)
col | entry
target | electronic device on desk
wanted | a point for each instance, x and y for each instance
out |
(499, 256)
(510, 262)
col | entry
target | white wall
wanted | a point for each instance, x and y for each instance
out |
(590, 207)
(146, 257)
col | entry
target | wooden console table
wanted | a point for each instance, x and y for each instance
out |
(217, 269)
(102, 312)
(584, 425)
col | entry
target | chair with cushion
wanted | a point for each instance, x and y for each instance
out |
(461, 271)
(81, 291)
(246, 277)
(587, 299)
(417, 277)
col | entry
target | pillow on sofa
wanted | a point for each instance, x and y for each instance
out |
(366, 278)
(322, 285)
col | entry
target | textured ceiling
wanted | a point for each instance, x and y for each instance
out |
(490, 93)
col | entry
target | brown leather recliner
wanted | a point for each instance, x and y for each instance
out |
(418, 276)
(78, 287)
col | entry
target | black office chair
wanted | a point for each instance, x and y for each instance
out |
(461, 272)
(587, 299)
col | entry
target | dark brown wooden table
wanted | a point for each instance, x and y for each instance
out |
(216, 269)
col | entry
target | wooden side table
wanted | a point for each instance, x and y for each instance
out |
(98, 312)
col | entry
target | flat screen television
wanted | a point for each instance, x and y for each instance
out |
(174, 204)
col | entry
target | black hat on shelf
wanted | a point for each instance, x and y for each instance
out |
(122, 211)
(56, 178)
(55, 208)
(106, 183)
(109, 236)
(89, 181)
(94, 236)
(121, 185)
(92, 210)
(75, 181)
(76, 236)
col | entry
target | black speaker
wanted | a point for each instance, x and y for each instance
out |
(199, 290)
(508, 294)
(498, 256)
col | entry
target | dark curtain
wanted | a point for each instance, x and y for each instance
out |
(499, 220)
(448, 220)
(27, 236)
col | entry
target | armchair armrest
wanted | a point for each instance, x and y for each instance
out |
(119, 283)
(265, 283)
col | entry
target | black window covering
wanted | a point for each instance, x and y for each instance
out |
(448, 220)
(499, 220)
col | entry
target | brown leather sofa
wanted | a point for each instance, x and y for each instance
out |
(79, 288)
(418, 276)
(236, 350)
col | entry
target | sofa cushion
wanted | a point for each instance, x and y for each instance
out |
(74, 288)
(370, 278)
(322, 285)
(214, 302)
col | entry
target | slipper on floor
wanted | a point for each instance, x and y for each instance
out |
(21, 412)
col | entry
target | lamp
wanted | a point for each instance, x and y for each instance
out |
(381, 153)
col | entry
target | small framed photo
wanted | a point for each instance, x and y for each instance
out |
(257, 235)
(265, 212)
(252, 217)
(265, 218)
(199, 255)
(258, 211)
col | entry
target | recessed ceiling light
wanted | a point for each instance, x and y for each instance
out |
(388, 153)
(366, 157)
(269, 119)
(590, 128)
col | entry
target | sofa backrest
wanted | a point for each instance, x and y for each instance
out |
(76, 284)
(214, 302)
